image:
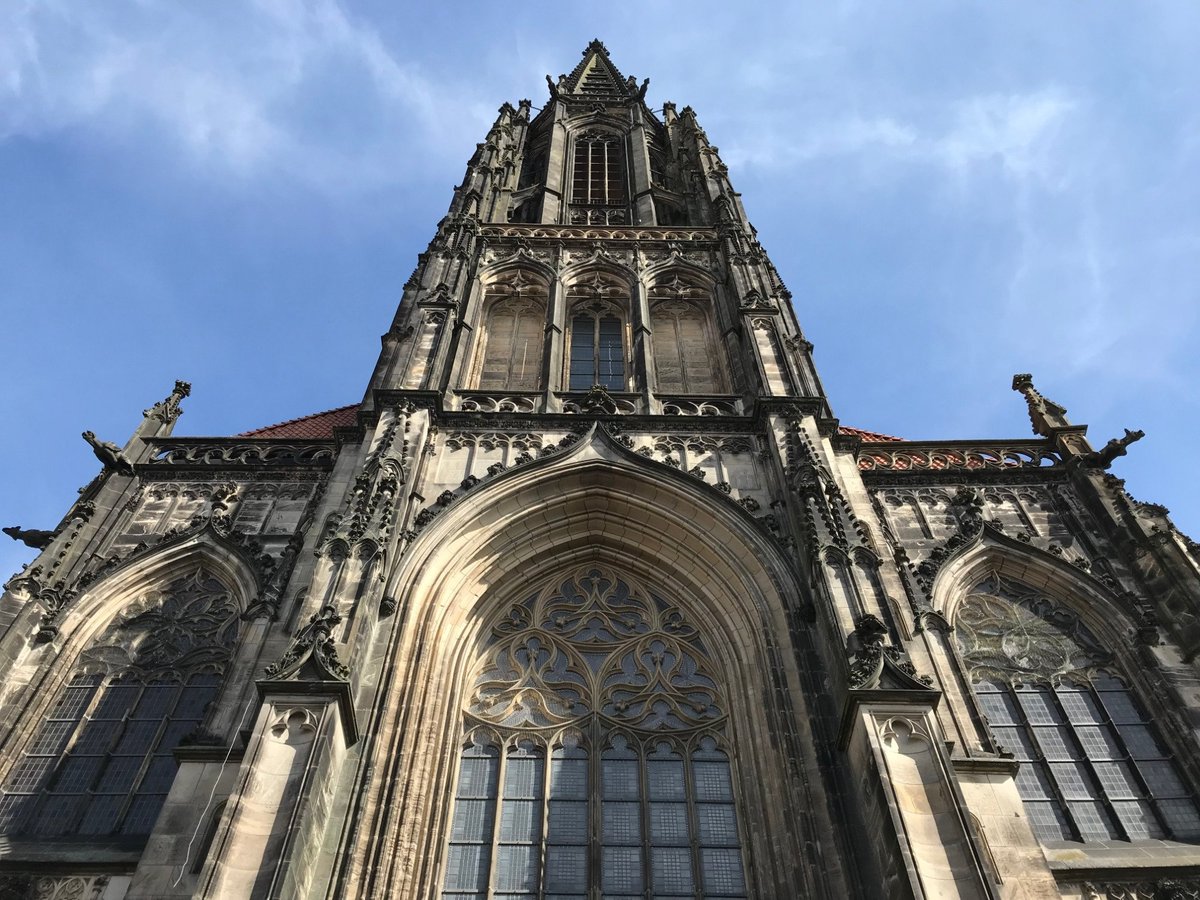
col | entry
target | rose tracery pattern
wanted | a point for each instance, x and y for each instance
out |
(1009, 632)
(594, 643)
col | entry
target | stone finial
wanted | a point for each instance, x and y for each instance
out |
(109, 454)
(168, 410)
(1044, 414)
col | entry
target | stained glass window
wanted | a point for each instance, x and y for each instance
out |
(1092, 765)
(596, 760)
(101, 762)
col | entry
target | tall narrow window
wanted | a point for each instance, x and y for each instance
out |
(597, 351)
(598, 188)
(101, 762)
(1093, 767)
(513, 334)
(596, 761)
(685, 360)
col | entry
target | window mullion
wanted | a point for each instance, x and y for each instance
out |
(693, 815)
(595, 811)
(501, 774)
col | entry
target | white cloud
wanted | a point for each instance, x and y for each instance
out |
(238, 94)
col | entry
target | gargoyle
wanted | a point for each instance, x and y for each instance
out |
(30, 537)
(1116, 447)
(109, 454)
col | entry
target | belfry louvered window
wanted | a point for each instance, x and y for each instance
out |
(595, 762)
(1093, 765)
(684, 357)
(598, 183)
(101, 760)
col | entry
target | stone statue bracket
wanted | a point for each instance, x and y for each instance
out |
(313, 653)
(30, 537)
(109, 454)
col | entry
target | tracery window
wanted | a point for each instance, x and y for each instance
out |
(596, 757)
(101, 761)
(685, 361)
(513, 337)
(1093, 766)
(597, 343)
(598, 190)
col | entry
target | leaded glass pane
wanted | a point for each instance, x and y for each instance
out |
(1081, 706)
(1048, 820)
(1092, 820)
(668, 823)
(473, 820)
(1141, 741)
(467, 867)
(621, 869)
(566, 868)
(722, 872)
(516, 868)
(664, 779)
(671, 869)
(521, 820)
(1162, 779)
(1039, 706)
(712, 780)
(1033, 781)
(1000, 708)
(718, 824)
(1138, 819)
(1121, 707)
(622, 822)
(1056, 742)
(1182, 818)
(1117, 780)
(619, 779)
(1017, 741)
(568, 822)
(1099, 742)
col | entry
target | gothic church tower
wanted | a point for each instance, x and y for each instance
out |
(592, 597)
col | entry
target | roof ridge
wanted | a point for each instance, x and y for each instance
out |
(326, 412)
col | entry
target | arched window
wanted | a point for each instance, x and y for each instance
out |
(513, 334)
(685, 354)
(1093, 766)
(598, 188)
(101, 760)
(596, 754)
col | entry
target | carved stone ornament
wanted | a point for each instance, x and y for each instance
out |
(1009, 632)
(168, 410)
(1162, 889)
(1044, 414)
(109, 454)
(313, 653)
(595, 643)
(874, 664)
(21, 886)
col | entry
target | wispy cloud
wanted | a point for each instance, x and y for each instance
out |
(294, 88)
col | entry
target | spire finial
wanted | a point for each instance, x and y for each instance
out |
(1045, 415)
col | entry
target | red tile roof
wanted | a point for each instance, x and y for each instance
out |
(866, 435)
(314, 427)
(320, 425)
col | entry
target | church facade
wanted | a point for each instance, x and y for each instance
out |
(592, 596)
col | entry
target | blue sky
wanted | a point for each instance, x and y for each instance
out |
(233, 194)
